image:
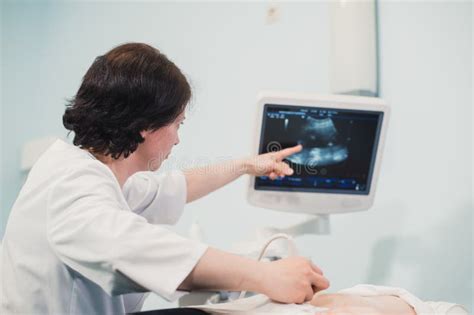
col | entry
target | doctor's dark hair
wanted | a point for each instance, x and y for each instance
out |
(132, 88)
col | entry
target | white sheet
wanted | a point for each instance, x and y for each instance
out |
(421, 308)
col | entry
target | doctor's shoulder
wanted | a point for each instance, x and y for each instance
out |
(68, 173)
(85, 177)
(59, 161)
(64, 162)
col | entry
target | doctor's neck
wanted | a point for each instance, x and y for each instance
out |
(122, 167)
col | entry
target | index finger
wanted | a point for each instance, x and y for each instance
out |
(288, 151)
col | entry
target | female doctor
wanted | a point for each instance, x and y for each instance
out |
(87, 226)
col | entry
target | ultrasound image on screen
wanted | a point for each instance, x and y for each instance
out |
(339, 148)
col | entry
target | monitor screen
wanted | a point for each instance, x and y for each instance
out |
(339, 148)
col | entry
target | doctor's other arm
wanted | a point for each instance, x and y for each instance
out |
(203, 180)
(289, 280)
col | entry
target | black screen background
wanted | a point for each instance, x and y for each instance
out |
(357, 130)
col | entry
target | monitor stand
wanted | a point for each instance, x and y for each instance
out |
(313, 224)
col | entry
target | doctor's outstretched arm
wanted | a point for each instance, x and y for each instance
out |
(203, 180)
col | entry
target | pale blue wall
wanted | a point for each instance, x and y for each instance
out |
(418, 234)
(227, 51)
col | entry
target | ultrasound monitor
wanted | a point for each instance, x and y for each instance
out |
(337, 170)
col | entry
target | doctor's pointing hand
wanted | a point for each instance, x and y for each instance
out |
(86, 234)
(271, 164)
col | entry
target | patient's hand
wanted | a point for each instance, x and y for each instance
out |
(344, 304)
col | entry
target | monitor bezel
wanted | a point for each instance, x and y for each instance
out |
(317, 202)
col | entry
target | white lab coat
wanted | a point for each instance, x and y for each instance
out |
(75, 242)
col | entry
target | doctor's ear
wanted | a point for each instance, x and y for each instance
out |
(145, 133)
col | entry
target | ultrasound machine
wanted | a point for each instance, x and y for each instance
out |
(336, 171)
